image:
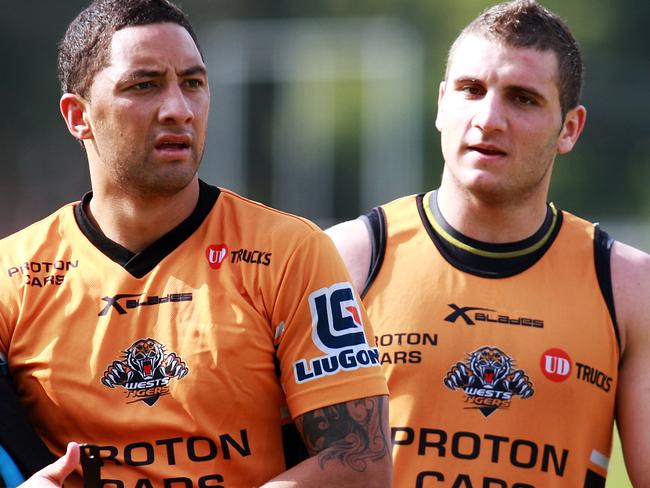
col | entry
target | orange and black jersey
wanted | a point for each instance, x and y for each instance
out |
(182, 362)
(501, 359)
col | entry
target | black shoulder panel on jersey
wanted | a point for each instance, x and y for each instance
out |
(139, 264)
(17, 436)
(602, 255)
(376, 222)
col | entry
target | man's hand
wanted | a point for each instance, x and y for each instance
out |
(52, 476)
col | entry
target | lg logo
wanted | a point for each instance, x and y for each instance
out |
(337, 330)
(336, 317)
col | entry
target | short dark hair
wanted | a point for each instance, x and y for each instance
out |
(85, 47)
(525, 23)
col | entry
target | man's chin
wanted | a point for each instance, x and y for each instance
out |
(170, 182)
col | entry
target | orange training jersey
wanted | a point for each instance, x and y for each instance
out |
(501, 359)
(182, 362)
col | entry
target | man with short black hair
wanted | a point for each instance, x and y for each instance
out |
(181, 329)
(510, 332)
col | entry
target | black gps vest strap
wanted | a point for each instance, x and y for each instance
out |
(375, 220)
(602, 254)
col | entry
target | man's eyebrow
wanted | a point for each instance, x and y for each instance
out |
(466, 79)
(142, 73)
(194, 70)
(527, 90)
(156, 73)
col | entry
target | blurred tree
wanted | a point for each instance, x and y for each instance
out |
(603, 178)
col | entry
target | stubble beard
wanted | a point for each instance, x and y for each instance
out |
(505, 192)
(147, 179)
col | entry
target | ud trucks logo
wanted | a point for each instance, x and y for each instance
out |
(489, 380)
(556, 364)
(216, 254)
(145, 371)
(338, 331)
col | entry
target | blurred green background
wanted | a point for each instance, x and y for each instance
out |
(326, 107)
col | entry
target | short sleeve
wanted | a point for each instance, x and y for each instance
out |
(325, 343)
(9, 310)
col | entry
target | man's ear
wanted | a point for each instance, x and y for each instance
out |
(441, 93)
(74, 110)
(574, 123)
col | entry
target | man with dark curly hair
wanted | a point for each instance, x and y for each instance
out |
(190, 336)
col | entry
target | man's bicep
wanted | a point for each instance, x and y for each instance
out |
(353, 433)
(630, 281)
(633, 412)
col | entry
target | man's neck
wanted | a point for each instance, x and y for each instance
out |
(491, 221)
(136, 222)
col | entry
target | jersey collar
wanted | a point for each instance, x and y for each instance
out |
(481, 258)
(140, 263)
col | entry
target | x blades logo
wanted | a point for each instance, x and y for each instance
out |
(145, 371)
(472, 315)
(216, 254)
(461, 312)
(489, 380)
(132, 302)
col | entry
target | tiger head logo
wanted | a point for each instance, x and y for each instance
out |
(489, 379)
(489, 366)
(145, 371)
(145, 356)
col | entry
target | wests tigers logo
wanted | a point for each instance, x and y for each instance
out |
(145, 371)
(489, 380)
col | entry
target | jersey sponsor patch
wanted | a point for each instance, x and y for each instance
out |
(124, 302)
(39, 274)
(474, 315)
(251, 256)
(216, 254)
(594, 376)
(337, 330)
(556, 364)
(489, 380)
(145, 371)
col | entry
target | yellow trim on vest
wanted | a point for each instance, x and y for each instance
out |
(480, 252)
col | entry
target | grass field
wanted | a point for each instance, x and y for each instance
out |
(617, 476)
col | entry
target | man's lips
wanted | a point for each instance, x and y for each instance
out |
(173, 142)
(487, 149)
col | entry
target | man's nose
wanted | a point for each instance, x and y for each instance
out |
(175, 107)
(490, 114)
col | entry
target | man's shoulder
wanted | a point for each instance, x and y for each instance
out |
(261, 216)
(629, 264)
(630, 268)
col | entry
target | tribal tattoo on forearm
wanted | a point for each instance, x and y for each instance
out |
(352, 432)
